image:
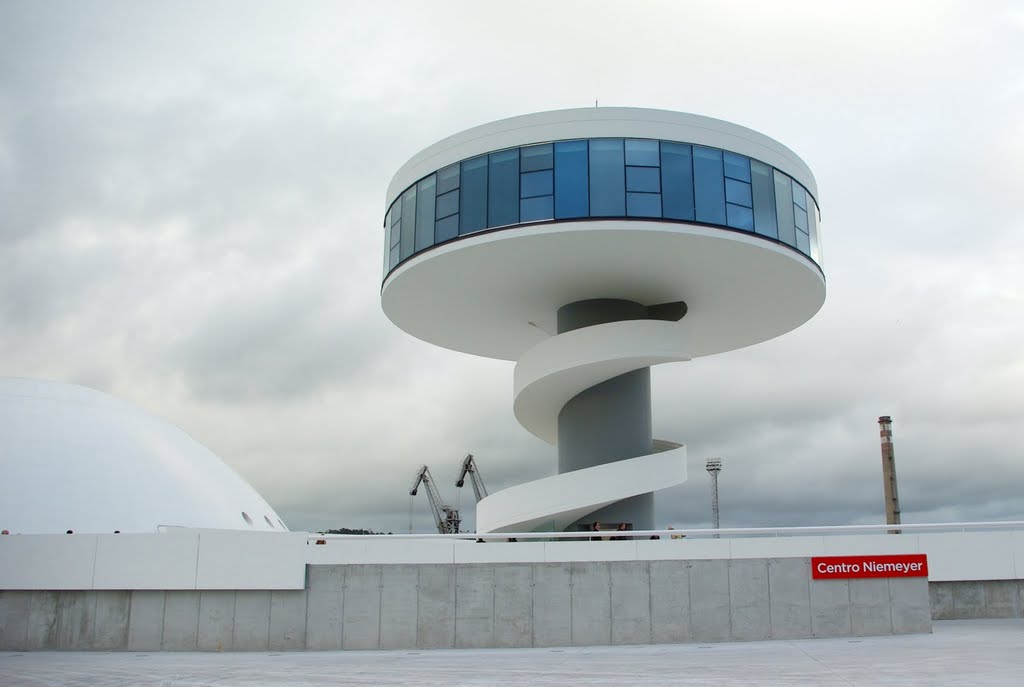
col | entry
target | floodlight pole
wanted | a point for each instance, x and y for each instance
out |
(714, 466)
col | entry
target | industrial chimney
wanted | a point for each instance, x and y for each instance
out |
(892, 496)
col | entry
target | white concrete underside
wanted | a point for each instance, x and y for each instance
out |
(960, 652)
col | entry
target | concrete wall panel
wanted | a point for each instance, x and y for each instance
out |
(830, 608)
(552, 604)
(76, 620)
(251, 631)
(591, 603)
(749, 612)
(399, 598)
(709, 601)
(435, 622)
(325, 598)
(41, 632)
(909, 605)
(670, 602)
(146, 620)
(513, 605)
(113, 610)
(14, 609)
(968, 600)
(630, 602)
(287, 620)
(474, 606)
(869, 607)
(181, 621)
(1002, 599)
(216, 620)
(789, 591)
(940, 598)
(361, 611)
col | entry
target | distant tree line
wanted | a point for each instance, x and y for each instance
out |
(346, 530)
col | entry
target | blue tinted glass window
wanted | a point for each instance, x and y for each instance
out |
(643, 204)
(448, 179)
(387, 244)
(803, 243)
(446, 229)
(607, 178)
(396, 211)
(503, 188)
(739, 217)
(763, 187)
(448, 204)
(784, 208)
(425, 213)
(393, 258)
(814, 233)
(533, 209)
(641, 152)
(799, 195)
(534, 158)
(408, 222)
(571, 179)
(537, 184)
(738, 192)
(800, 218)
(646, 179)
(737, 166)
(677, 181)
(396, 225)
(708, 185)
(473, 195)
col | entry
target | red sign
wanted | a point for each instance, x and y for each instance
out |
(842, 567)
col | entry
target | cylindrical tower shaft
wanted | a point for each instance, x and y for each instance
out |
(892, 497)
(714, 466)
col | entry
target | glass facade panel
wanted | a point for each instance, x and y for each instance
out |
(763, 191)
(784, 208)
(815, 238)
(425, 212)
(503, 188)
(387, 242)
(448, 179)
(408, 222)
(446, 229)
(799, 195)
(448, 204)
(708, 185)
(642, 152)
(473, 195)
(736, 166)
(393, 258)
(739, 217)
(803, 243)
(677, 181)
(537, 184)
(644, 179)
(534, 158)
(571, 180)
(607, 178)
(643, 204)
(537, 208)
(800, 218)
(738, 192)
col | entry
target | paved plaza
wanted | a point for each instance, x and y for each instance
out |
(960, 652)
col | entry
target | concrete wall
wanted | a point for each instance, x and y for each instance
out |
(477, 605)
(977, 599)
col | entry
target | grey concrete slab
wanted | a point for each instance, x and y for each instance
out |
(591, 603)
(474, 606)
(181, 621)
(325, 607)
(940, 596)
(361, 610)
(399, 598)
(76, 619)
(968, 600)
(251, 630)
(630, 602)
(42, 630)
(146, 620)
(869, 607)
(552, 604)
(749, 612)
(670, 602)
(513, 605)
(1002, 599)
(287, 620)
(435, 621)
(113, 610)
(216, 620)
(14, 611)
(909, 605)
(789, 581)
(709, 601)
(830, 608)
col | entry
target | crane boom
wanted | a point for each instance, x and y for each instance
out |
(446, 518)
(469, 468)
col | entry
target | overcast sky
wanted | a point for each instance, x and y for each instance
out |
(191, 199)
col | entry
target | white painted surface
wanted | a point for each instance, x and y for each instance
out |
(74, 458)
(47, 561)
(251, 560)
(165, 561)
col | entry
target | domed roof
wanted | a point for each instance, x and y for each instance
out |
(72, 458)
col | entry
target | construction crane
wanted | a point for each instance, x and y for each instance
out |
(469, 468)
(445, 517)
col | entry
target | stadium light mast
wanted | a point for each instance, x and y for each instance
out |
(714, 466)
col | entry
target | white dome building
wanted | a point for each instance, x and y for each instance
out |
(72, 458)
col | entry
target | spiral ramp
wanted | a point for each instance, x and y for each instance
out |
(547, 377)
